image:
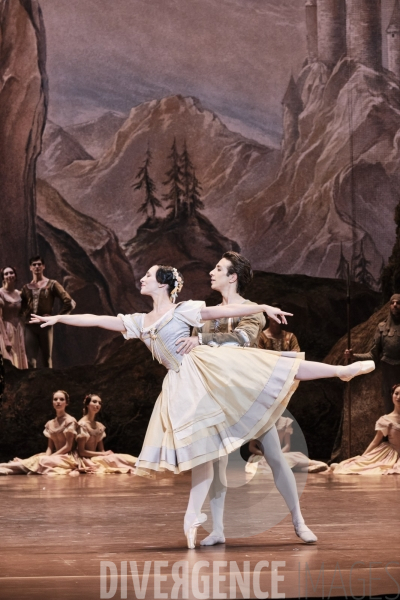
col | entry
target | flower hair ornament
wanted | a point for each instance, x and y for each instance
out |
(178, 285)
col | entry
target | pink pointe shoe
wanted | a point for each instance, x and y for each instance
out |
(346, 373)
(191, 533)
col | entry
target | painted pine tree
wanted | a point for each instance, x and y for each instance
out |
(191, 201)
(175, 182)
(144, 181)
(196, 203)
(187, 176)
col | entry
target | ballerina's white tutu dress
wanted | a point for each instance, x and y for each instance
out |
(213, 399)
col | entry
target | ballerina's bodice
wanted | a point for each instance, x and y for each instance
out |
(56, 430)
(92, 434)
(161, 336)
(11, 307)
(390, 427)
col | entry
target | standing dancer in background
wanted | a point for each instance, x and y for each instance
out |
(213, 399)
(386, 349)
(276, 338)
(38, 297)
(12, 344)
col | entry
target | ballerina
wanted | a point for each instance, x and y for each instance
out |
(60, 457)
(213, 399)
(380, 458)
(12, 344)
(94, 458)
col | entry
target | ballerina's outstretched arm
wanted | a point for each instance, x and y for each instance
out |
(103, 321)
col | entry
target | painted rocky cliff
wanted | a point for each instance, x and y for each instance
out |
(23, 102)
(87, 259)
(338, 184)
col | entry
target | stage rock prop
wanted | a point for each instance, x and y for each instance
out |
(366, 397)
(129, 381)
(23, 102)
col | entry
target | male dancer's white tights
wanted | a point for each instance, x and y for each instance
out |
(210, 478)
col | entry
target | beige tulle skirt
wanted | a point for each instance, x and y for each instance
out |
(221, 398)
(382, 460)
(109, 464)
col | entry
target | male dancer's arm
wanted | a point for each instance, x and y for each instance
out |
(245, 334)
(67, 303)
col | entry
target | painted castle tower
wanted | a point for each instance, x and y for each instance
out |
(364, 35)
(312, 30)
(393, 41)
(331, 19)
(337, 28)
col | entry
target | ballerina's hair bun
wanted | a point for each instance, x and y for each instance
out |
(172, 277)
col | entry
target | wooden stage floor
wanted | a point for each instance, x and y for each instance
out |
(57, 532)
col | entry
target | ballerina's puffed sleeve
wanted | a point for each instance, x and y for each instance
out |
(383, 424)
(47, 431)
(131, 324)
(190, 312)
(71, 427)
(102, 431)
(82, 432)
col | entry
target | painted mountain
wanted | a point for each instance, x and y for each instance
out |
(331, 192)
(230, 168)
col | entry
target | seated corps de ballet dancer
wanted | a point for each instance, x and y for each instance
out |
(297, 461)
(198, 416)
(60, 457)
(380, 458)
(230, 277)
(93, 457)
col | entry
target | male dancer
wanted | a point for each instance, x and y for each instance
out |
(230, 277)
(38, 297)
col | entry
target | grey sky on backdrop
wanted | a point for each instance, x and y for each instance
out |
(236, 56)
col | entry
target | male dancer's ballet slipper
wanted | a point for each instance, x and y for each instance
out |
(304, 533)
(191, 533)
(213, 539)
(345, 373)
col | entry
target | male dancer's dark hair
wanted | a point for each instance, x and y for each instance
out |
(242, 267)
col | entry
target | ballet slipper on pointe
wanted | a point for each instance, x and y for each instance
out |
(191, 533)
(346, 373)
(304, 533)
(213, 539)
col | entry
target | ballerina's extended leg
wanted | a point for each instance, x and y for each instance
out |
(202, 477)
(309, 370)
(285, 482)
(217, 495)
